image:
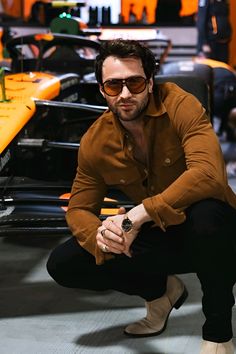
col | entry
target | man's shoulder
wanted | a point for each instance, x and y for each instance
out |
(180, 105)
(171, 91)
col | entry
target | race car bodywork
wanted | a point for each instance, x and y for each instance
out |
(40, 133)
(18, 102)
(51, 68)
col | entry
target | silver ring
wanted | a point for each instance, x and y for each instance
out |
(103, 232)
(105, 248)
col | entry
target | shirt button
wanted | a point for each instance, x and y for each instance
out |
(152, 188)
(167, 160)
(122, 180)
(130, 148)
(163, 223)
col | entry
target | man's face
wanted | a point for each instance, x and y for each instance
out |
(126, 106)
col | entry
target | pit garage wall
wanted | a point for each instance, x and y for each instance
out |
(18, 8)
(13, 8)
(233, 41)
(115, 9)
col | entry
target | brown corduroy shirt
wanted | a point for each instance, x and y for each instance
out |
(185, 165)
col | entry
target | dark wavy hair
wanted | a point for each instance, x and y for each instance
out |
(121, 48)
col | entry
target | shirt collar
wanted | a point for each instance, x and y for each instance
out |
(155, 108)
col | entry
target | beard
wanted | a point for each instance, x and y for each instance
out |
(131, 114)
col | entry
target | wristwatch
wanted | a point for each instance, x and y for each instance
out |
(127, 224)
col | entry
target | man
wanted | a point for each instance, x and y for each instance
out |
(156, 145)
(224, 94)
(214, 29)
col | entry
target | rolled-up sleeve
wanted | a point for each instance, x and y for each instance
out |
(87, 194)
(205, 175)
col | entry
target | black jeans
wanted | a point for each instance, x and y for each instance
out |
(204, 244)
(219, 51)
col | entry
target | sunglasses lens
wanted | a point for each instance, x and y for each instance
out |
(135, 84)
(113, 87)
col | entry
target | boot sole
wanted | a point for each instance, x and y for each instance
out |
(176, 305)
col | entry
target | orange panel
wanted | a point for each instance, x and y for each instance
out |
(28, 6)
(104, 211)
(12, 8)
(21, 89)
(137, 8)
(1, 46)
(188, 7)
(151, 10)
(232, 60)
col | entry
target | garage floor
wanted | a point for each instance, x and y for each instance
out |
(39, 317)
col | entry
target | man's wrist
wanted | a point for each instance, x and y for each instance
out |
(127, 224)
(137, 216)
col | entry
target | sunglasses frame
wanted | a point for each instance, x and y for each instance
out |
(124, 83)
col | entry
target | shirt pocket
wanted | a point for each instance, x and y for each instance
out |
(171, 165)
(122, 177)
(172, 156)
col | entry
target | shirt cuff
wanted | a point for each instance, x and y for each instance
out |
(162, 213)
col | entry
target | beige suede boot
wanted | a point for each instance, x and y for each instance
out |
(217, 348)
(159, 310)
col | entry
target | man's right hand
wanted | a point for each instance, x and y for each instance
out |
(110, 236)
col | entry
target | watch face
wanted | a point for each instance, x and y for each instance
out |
(126, 225)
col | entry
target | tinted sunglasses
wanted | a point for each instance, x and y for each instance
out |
(135, 84)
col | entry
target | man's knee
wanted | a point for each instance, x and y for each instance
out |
(53, 268)
(75, 268)
(62, 263)
(208, 218)
(209, 235)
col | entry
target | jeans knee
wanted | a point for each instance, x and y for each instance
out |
(207, 218)
(51, 266)
(56, 269)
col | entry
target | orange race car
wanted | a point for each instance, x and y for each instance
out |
(42, 118)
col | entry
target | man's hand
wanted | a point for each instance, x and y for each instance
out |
(127, 237)
(110, 235)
